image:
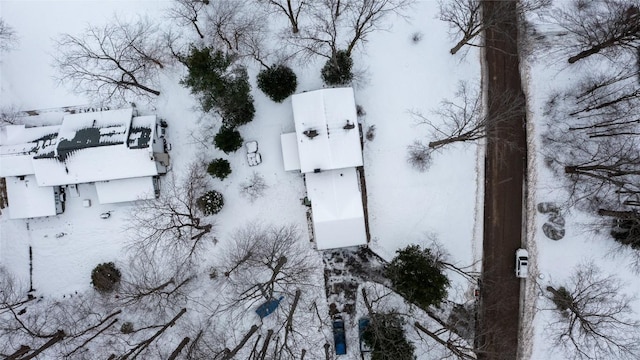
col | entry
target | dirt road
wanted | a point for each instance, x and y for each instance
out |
(505, 169)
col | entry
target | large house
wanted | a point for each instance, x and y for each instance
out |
(116, 150)
(326, 148)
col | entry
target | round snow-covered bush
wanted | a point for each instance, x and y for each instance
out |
(211, 203)
(228, 139)
(277, 82)
(219, 168)
(105, 277)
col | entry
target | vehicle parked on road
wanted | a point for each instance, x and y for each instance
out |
(522, 263)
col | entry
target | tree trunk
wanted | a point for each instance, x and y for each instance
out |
(177, 351)
(625, 215)
(229, 354)
(292, 19)
(56, 338)
(198, 29)
(440, 143)
(265, 346)
(448, 344)
(139, 86)
(583, 54)
(458, 46)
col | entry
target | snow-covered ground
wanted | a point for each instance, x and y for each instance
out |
(396, 75)
(586, 239)
(401, 75)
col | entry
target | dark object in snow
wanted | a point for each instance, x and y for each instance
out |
(105, 215)
(228, 139)
(339, 336)
(105, 277)
(552, 231)
(554, 227)
(418, 275)
(219, 168)
(126, 328)
(363, 323)
(268, 307)
(220, 84)
(277, 82)
(211, 202)
(311, 133)
(337, 70)
(349, 125)
(548, 207)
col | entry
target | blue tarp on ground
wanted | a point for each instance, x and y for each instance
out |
(268, 307)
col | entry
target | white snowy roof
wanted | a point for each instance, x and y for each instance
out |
(20, 144)
(336, 204)
(16, 165)
(28, 200)
(327, 112)
(115, 191)
(96, 164)
(290, 156)
(21, 135)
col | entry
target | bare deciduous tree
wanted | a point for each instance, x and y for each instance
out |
(343, 24)
(290, 8)
(8, 39)
(10, 115)
(419, 156)
(236, 28)
(172, 225)
(606, 27)
(254, 187)
(593, 318)
(467, 20)
(265, 261)
(595, 146)
(155, 285)
(464, 119)
(113, 62)
(187, 12)
(60, 327)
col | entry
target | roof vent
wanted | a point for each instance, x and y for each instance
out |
(349, 125)
(311, 133)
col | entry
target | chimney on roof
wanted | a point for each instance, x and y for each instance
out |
(311, 133)
(349, 125)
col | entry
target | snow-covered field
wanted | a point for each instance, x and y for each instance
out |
(396, 75)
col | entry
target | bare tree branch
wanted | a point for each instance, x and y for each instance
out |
(8, 39)
(113, 62)
(592, 317)
(173, 225)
